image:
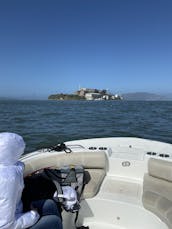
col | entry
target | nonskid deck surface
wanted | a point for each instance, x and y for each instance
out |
(114, 214)
(109, 226)
(104, 226)
(121, 190)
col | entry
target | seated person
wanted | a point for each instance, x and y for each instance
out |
(49, 212)
(43, 214)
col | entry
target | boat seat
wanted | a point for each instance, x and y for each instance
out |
(95, 164)
(157, 189)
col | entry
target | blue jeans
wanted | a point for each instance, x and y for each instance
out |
(49, 215)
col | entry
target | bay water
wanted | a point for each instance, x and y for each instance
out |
(47, 123)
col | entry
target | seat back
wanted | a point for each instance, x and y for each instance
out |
(157, 189)
(95, 164)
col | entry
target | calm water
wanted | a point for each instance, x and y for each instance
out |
(46, 123)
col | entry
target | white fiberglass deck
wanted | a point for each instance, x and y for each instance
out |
(118, 205)
(118, 209)
(114, 214)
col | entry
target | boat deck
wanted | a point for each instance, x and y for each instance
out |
(117, 202)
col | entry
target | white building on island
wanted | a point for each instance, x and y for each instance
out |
(96, 94)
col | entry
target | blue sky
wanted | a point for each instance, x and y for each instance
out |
(52, 46)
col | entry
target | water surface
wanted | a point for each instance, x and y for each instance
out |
(46, 123)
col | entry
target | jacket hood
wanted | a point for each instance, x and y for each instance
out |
(11, 148)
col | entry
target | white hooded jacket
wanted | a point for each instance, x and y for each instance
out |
(11, 184)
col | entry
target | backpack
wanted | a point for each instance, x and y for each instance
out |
(44, 183)
(68, 179)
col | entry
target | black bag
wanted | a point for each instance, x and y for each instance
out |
(37, 187)
(72, 176)
(43, 183)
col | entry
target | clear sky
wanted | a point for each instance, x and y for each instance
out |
(53, 46)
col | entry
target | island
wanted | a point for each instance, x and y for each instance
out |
(86, 94)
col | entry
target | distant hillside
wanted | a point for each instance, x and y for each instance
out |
(6, 98)
(168, 95)
(144, 96)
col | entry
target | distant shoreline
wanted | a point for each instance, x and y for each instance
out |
(137, 96)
